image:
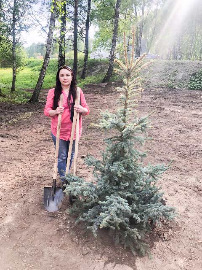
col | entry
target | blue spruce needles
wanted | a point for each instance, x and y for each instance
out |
(124, 198)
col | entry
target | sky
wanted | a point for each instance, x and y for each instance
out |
(37, 36)
(33, 36)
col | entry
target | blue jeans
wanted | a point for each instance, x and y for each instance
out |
(62, 156)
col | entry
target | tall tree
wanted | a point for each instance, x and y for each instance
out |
(15, 11)
(75, 35)
(75, 14)
(139, 30)
(1, 11)
(3, 23)
(14, 17)
(114, 40)
(83, 75)
(5, 42)
(61, 55)
(35, 95)
(10, 47)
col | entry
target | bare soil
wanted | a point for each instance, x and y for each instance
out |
(32, 238)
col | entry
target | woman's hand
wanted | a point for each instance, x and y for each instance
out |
(59, 110)
(80, 109)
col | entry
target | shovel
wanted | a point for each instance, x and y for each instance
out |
(53, 195)
(75, 124)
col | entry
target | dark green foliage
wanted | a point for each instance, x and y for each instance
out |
(6, 53)
(195, 82)
(124, 197)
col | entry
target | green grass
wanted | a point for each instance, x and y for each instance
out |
(162, 74)
(27, 78)
(90, 79)
(6, 76)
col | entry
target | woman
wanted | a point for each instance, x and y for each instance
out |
(66, 85)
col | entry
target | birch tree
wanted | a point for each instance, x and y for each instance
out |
(75, 35)
(83, 75)
(12, 23)
(35, 95)
(114, 40)
(63, 19)
(14, 20)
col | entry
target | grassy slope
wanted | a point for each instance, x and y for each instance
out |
(161, 73)
(171, 74)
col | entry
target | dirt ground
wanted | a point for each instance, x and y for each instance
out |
(31, 238)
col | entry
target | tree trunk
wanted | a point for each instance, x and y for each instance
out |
(139, 32)
(61, 55)
(174, 52)
(35, 95)
(75, 35)
(114, 39)
(1, 9)
(200, 55)
(14, 45)
(83, 75)
(150, 43)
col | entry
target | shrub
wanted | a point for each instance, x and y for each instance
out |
(6, 54)
(195, 82)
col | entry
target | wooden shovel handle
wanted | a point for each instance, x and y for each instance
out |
(74, 124)
(71, 144)
(77, 136)
(57, 139)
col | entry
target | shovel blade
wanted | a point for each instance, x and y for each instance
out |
(53, 198)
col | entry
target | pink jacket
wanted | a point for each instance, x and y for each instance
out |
(66, 124)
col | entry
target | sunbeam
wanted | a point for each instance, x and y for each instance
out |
(174, 24)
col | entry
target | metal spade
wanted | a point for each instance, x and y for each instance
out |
(53, 195)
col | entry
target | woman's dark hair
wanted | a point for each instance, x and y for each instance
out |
(58, 88)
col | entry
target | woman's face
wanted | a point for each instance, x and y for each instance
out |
(65, 77)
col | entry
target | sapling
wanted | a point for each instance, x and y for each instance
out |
(124, 196)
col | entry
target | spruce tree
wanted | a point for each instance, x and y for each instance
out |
(125, 197)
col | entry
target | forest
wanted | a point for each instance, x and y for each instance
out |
(164, 30)
(137, 181)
